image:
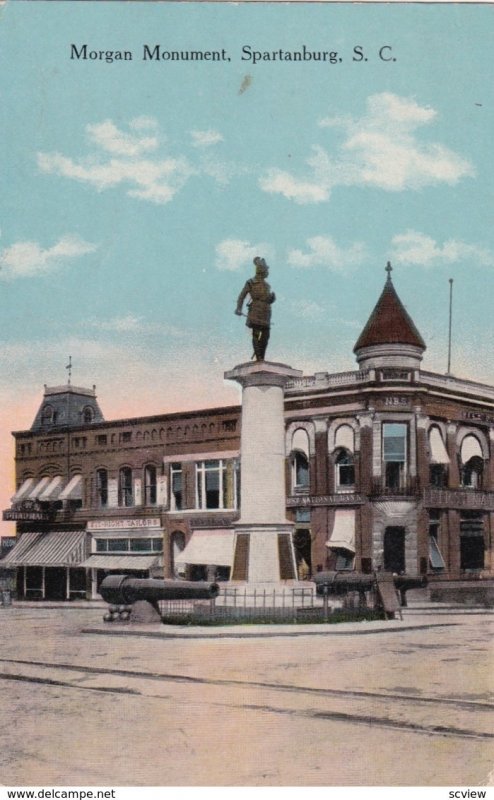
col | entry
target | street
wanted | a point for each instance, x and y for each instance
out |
(393, 708)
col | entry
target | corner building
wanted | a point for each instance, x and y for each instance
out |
(387, 467)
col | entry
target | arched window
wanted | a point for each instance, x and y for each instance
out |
(344, 470)
(125, 493)
(87, 415)
(472, 463)
(150, 485)
(300, 467)
(102, 487)
(47, 415)
(300, 460)
(439, 459)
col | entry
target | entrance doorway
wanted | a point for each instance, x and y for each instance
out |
(394, 550)
(302, 547)
(55, 583)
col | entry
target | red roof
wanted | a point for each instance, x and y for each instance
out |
(389, 323)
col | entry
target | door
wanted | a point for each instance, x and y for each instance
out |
(394, 550)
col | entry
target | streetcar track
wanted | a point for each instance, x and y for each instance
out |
(333, 716)
(282, 687)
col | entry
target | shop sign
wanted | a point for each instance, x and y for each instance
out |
(116, 524)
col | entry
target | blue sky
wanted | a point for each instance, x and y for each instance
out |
(135, 194)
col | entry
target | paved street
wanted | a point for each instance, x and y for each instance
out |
(400, 707)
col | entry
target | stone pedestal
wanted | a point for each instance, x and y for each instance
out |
(263, 535)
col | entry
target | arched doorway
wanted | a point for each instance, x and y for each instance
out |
(394, 550)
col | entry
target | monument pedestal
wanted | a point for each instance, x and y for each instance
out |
(263, 536)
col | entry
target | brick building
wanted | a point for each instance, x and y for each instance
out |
(388, 466)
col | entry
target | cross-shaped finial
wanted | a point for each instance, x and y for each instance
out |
(389, 270)
(69, 367)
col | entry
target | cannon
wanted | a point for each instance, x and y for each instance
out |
(121, 591)
(340, 583)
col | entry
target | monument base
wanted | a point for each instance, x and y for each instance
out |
(264, 553)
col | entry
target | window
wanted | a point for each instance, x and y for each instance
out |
(150, 486)
(102, 487)
(344, 560)
(141, 545)
(176, 498)
(87, 415)
(394, 454)
(344, 470)
(48, 416)
(472, 541)
(438, 474)
(126, 436)
(79, 442)
(215, 484)
(471, 463)
(118, 545)
(300, 466)
(101, 438)
(436, 560)
(125, 494)
(472, 472)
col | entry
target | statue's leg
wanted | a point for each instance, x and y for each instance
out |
(256, 343)
(263, 342)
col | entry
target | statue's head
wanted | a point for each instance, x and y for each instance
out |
(262, 268)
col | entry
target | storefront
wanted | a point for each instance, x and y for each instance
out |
(124, 546)
(50, 565)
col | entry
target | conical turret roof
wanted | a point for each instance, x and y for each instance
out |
(389, 322)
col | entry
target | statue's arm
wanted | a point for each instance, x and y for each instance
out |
(240, 301)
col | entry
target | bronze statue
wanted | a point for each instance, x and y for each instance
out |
(259, 307)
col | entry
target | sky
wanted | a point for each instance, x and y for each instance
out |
(135, 193)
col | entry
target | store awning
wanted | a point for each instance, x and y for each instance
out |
(40, 487)
(73, 490)
(52, 549)
(470, 447)
(23, 490)
(343, 533)
(214, 547)
(129, 562)
(52, 490)
(344, 438)
(439, 454)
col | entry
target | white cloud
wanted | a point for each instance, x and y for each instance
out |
(109, 137)
(324, 252)
(413, 247)
(306, 309)
(205, 138)
(29, 259)
(234, 254)
(131, 324)
(380, 149)
(135, 161)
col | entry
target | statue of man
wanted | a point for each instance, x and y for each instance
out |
(259, 307)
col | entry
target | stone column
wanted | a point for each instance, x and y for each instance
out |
(263, 535)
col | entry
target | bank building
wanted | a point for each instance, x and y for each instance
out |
(388, 467)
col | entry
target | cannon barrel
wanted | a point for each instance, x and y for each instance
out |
(125, 590)
(342, 582)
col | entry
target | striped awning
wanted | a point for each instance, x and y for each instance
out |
(73, 490)
(23, 490)
(52, 549)
(125, 562)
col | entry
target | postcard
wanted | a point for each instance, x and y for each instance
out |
(157, 159)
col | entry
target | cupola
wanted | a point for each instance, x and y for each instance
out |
(390, 338)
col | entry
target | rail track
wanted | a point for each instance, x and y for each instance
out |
(417, 713)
